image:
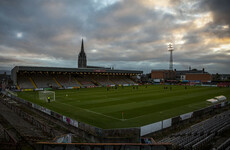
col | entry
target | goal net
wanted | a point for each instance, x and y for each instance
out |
(43, 95)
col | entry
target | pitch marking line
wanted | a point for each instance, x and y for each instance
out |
(93, 112)
(102, 114)
(135, 117)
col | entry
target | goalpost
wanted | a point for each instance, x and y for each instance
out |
(43, 95)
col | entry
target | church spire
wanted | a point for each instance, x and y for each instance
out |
(82, 61)
(82, 45)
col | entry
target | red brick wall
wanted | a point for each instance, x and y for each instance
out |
(157, 74)
(163, 74)
(201, 77)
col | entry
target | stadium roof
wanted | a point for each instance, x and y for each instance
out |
(55, 69)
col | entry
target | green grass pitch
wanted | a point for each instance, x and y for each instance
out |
(142, 106)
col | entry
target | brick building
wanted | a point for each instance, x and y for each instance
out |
(163, 74)
(202, 77)
(180, 75)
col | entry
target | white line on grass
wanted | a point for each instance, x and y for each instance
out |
(143, 115)
(92, 111)
(136, 117)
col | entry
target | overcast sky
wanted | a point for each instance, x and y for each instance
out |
(125, 34)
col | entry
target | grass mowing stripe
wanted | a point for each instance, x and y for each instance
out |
(136, 98)
(176, 102)
(100, 114)
(144, 106)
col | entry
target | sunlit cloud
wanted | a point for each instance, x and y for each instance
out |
(19, 35)
(225, 27)
(203, 20)
(127, 34)
(100, 4)
(94, 51)
(222, 48)
(164, 6)
(178, 37)
(156, 3)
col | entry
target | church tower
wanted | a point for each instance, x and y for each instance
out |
(82, 62)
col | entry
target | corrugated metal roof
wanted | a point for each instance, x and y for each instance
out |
(55, 69)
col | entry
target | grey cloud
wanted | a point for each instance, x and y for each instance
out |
(125, 33)
(216, 58)
(9, 60)
(192, 39)
(34, 20)
(220, 9)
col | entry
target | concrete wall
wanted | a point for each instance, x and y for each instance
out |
(178, 120)
(101, 146)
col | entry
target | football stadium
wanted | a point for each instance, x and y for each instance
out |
(153, 75)
(106, 106)
(108, 98)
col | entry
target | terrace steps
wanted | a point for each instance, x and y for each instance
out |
(125, 81)
(32, 81)
(113, 82)
(57, 82)
(133, 80)
(96, 82)
(77, 81)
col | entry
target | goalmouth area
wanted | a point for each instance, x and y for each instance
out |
(126, 107)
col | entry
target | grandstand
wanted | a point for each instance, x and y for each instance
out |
(26, 77)
(67, 80)
(198, 135)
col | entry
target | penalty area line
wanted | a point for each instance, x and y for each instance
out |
(138, 116)
(93, 112)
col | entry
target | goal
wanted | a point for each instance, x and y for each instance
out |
(43, 95)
